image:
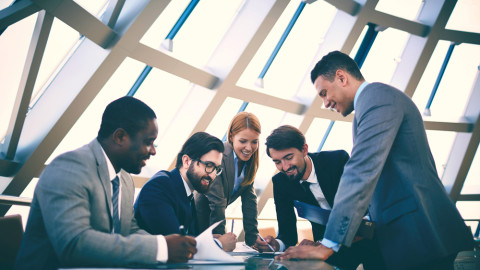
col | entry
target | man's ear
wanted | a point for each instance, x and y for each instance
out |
(186, 161)
(305, 149)
(342, 76)
(120, 136)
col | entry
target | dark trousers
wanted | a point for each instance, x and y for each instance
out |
(444, 263)
(364, 252)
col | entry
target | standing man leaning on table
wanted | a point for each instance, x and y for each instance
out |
(391, 173)
(166, 201)
(72, 222)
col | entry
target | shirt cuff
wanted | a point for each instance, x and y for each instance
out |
(330, 244)
(162, 249)
(281, 245)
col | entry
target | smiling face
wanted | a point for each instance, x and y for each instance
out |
(196, 174)
(245, 143)
(139, 148)
(335, 94)
(290, 161)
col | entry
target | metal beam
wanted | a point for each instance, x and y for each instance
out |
(84, 74)
(79, 19)
(16, 12)
(27, 83)
(167, 63)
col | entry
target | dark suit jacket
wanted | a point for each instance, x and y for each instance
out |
(211, 206)
(329, 168)
(162, 205)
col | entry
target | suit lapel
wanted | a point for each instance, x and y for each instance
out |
(229, 167)
(323, 180)
(102, 171)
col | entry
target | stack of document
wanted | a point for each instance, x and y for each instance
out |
(208, 250)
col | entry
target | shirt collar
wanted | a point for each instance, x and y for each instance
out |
(111, 170)
(187, 188)
(360, 89)
(312, 179)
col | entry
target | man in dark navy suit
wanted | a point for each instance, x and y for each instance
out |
(166, 201)
(312, 178)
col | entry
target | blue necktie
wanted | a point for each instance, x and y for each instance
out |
(116, 219)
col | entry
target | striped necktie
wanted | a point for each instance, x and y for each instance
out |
(116, 218)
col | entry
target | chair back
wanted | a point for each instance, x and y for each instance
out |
(11, 233)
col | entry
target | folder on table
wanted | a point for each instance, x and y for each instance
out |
(320, 216)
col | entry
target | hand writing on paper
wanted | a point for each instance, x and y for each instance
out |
(229, 240)
(180, 248)
(262, 246)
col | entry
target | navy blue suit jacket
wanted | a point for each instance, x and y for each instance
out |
(329, 168)
(162, 205)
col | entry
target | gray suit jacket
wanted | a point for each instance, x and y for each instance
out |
(392, 173)
(70, 221)
(211, 206)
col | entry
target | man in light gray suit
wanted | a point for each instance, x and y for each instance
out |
(82, 209)
(391, 173)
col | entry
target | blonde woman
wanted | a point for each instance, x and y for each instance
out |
(240, 164)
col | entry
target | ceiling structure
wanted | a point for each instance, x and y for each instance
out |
(114, 51)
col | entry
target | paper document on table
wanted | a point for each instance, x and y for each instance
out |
(208, 250)
(242, 247)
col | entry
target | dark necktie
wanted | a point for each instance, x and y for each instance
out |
(311, 197)
(116, 219)
(192, 227)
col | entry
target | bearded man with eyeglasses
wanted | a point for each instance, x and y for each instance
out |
(165, 204)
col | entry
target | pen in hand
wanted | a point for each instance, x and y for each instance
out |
(271, 248)
(233, 220)
(182, 230)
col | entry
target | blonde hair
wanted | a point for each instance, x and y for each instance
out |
(241, 121)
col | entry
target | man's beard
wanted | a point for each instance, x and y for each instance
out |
(196, 180)
(300, 174)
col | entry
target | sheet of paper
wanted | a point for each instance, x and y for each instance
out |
(242, 247)
(208, 250)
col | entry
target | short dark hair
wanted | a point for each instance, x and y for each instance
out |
(198, 145)
(127, 113)
(285, 137)
(333, 61)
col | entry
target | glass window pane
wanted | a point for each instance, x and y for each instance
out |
(426, 83)
(164, 23)
(219, 124)
(87, 126)
(201, 29)
(179, 105)
(472, 183)
(297, 53)
(455, 87)
(61, 42)
(440, 143)
(465, 16)
(380, 64)
(5, 3)
(92, 6)
(340, 137)
(407, 9)
(457, 82)
(14, 43)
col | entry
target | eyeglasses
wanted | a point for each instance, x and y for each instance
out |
(210, 167)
